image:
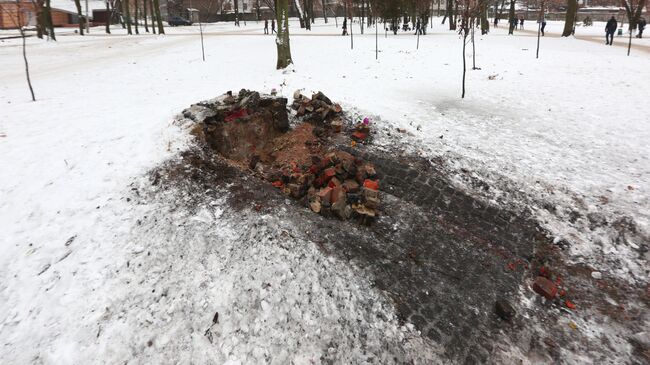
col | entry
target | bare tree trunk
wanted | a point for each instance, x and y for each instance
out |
(236, 12)
(485, 24)
(153, 16)
(511, 16)
(156, 7)
(136, 17)
(48, 20)
(464, 62)
(569, 20)
(363, 14)
(77, 4)
(324, 11)
(109, 16)
(127, 16)
(282, 41)
(144, 15)
(40, 19)
(22, 35)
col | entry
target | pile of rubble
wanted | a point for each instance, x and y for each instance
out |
(253, 132)
(336, 184)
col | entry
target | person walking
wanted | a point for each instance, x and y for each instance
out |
(610, 29)
(418, 29)
(266, 26)
(641, 25)
(273, 27)
(521, 23)
(345, 27)
(543, 26)
(496, 21)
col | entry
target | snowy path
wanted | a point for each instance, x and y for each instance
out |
(102, 120)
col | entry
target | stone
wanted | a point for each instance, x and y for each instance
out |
(596, 275)
(504, 309)
(320, 96)
(315, 206)
(545, 287)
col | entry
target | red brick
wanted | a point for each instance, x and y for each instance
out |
(325, 195)
(371, 184)
(337, 194)
(359, 136)
(545, 287)
(334, 182)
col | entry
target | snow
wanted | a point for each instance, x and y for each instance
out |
(565, 128)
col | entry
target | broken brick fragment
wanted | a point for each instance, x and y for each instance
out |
(325, 195)
(351, 186)
(545, 287)
(359, 136)
(278, 184)
(334, 182)
(371, 184)
(337, 194)
(569, 304)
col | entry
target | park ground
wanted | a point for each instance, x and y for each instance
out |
(94, 270)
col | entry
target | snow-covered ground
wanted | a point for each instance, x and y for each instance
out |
(569, 128)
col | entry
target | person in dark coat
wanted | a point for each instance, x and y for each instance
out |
(521, 23)
(496, 21)
(345, 26)
(266, 26)
(641, 26)
(543, 26)
(418, 27)
(273, 27)
(610, 29)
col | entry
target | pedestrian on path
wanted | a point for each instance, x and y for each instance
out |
(273, 27)
(266, 26)
(610, 29)
(521, 23)
(345, 27)
(641, 25)
(418, 28)
(496, 22)
(543, 26)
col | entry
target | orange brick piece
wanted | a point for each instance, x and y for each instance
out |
(545, 287)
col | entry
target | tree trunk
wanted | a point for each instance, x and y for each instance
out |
(47, 14)
(136, 17)
(77, 4)
(511, 16)
(156, 7)
(464, 62)
(569, 20)
(363, 14)
(144, 15)
(282, 41)
(485, 24)
(450, 14)
(127, 16)
(40, 19)
(29, 81)
(236, 13)
(324, 11)
(153, 16)
(109, 16)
